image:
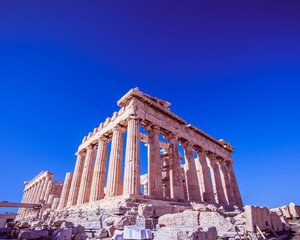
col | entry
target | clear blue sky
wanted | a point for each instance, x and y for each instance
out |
(231, 68)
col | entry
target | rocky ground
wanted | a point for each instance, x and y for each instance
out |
(195, 222)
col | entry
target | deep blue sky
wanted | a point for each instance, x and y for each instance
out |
(231, 68)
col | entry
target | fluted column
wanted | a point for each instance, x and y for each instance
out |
(30, 194)
(132, 158)
(114, 175)
(166, 179)
(176, 183)
(36, 186)
(226, 183)
(45, 187)
(40, 190)
(204, 177)
(216, 179)
(98, 183)
(87, 175)
(192, 183)
(65, 191)
(75, 185)
(48, 190)
(155, 185)
(234, 184)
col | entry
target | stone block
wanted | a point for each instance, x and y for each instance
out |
(286, 211)
(120, 222)
(294, 210)
(276, 222)
(31, 234)
(221, 223)
(162, 210)
(146, 210)
(188, 218)
(63, 234)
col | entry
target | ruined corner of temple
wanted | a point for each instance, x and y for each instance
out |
(107, 192)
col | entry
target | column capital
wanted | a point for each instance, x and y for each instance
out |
(103, 138)
(198, 149)
(171, 136)
(118, 128)
(151, 127)
(133, 117)
(185, 144)
(210, 154)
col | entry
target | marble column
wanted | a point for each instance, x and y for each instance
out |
(45, 187)
(87, 175)
(114, 175)
(98, 183)
(176, 183)
(36, 186)
(204, 177)
(234, 185)
(155, 185)
(166, 178)
(40, 190)
(226, 182)
(75, 185)
(30, 194)
(216, 179)
(132, 158)
(48, 191)
(191, 179)
(65, 191)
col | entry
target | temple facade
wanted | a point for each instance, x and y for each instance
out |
(40, 190)
(207, 174)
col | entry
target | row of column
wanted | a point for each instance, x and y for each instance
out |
(88, 180)
(208, 178)
(38, 191)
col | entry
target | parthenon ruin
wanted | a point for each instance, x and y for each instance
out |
(207, 178)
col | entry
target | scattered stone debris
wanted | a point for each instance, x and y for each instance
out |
(159, 222)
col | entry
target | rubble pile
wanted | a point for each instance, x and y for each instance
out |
(197, 222)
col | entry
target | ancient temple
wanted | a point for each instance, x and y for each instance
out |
(42, 189)
(207, 178)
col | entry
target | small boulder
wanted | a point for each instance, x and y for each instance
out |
(146, 210)
(294, 210)
(31, 234)
(120, 222)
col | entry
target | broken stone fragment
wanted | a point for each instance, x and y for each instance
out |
(120, 222)
(294, 210)
(146, 211)
(31, 234)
